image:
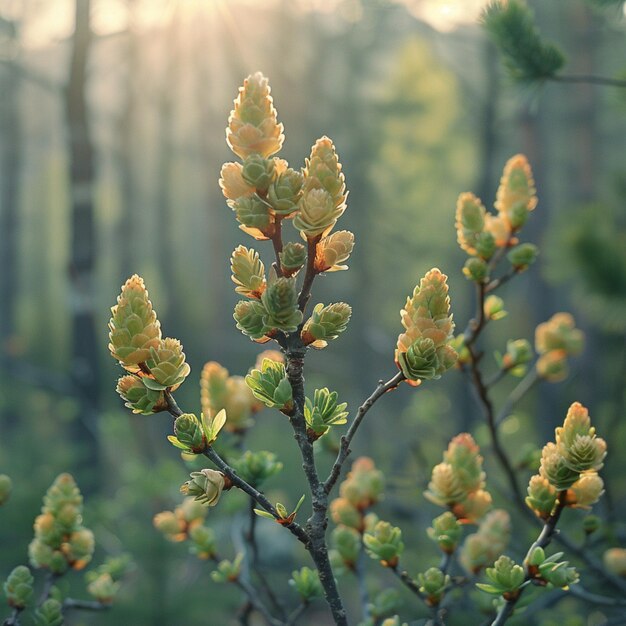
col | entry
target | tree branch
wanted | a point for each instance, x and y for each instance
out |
(309, 276)
(84, 605)
(344, 447)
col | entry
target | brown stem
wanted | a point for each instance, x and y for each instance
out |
(84, 605)
(589, 78)
(316, 525)
(310, 273)
(344, 448)
(277, 242)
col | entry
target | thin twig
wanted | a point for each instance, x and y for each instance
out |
(359, 572)
(523, 387)
(13, 619)
(589, 78)
(408, 582)
(84, 605)
(310, 273)
(296, 614)
(277, 242)
(344, 447)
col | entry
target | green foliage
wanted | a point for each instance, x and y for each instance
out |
(271, 386)
(228, 571)
(527, 57)
(323, 411)
(307, 583)
(18, 587)
(384, 543)
(256, 467)
(506, 578)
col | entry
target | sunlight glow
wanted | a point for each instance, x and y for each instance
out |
(445, 15)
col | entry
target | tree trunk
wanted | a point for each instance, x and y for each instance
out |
(85, 341)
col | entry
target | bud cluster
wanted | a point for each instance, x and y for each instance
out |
(481, 233)
(488, 542)
(459, 481)
(423, 351)
(555, 341)
(155, 364)
(177, 525)
(61, 541)
(569, 465)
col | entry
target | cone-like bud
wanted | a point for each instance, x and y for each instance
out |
(364, 484)
(204, 486)
(516, 195)
(323, 171)
(204, 543)
(551, 570)
(258, 172)
(559, 333)
(6, 486)
(18, 587)
(334, 250)
(522, 256)
(167, 366)
(494, 308)
(213, 390)
(343, 512)
(470, 225)
(473, 507)
(476, 269)
(248, 272)
(555, 469)
(444, 488)
(285, 192)
(228, 571)
(384, 543)
(306, 582)
(103, 588)
(446, 532)
(506, 578)
(326, 323)
(250, 317)
(423, 351)
(50, 613)
(585, 492)
(552, 366)
(256, 467)
(189, 433)
(317, 214)
(498, 227)
(280, 300)
(481, 548)
(347, 542)
(292, 258)
(232, 184)
(433, 583)
(253, 126)
(271, 386)
(541, 496)
(323, 412)
(615, 561)
(138, 397)
(518, 353)
(176, 525)
(133, 329)
(464, 456)
(60, 539)
(577, 442)
(254, 217)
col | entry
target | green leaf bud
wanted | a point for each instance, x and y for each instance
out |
(384, 543)
(258, 172)
(326, 323)
(347, 542)
(18, 587)
(541, 496)
(250, 317)
(248, 272)
(476, 269)
(138, 397)
(50, 613)
(205, 486)
(167, 366)
(256, 467)
(280, 300)
(307, 583)
(446, 532)
(433, 583)
(271, 386)
(203, 542)
(103, 588)
(292, 258)
(228, 571)
(520, 257)
(285, 192)
(189, 433)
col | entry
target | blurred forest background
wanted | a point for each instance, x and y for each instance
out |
(112, 117)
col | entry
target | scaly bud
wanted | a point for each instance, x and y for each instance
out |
(446, 532)
(250, 317)
(384, 543)
(280, 300)
(522, 256)
(232, 184)
(585, 492)
(516, 195)
(292, 258)
(18, 587)
(307, 583)
(103, 588)
(577, 442)
(248, 272)
(133, 329)
(285, 192)
(253, 126)
(423, 351)
(470, 225)
(271, 386)
(254, 217)
(476, 269)
(138, 397)
(506, 578)
(334, 250)
(433, 583)
(326, 323)
(189, 433)
(167, 366)
(317, 214)
(541, 496)
(258, 172)
(555, 468)
(205, 486)
(256, 467)
(559, 333)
